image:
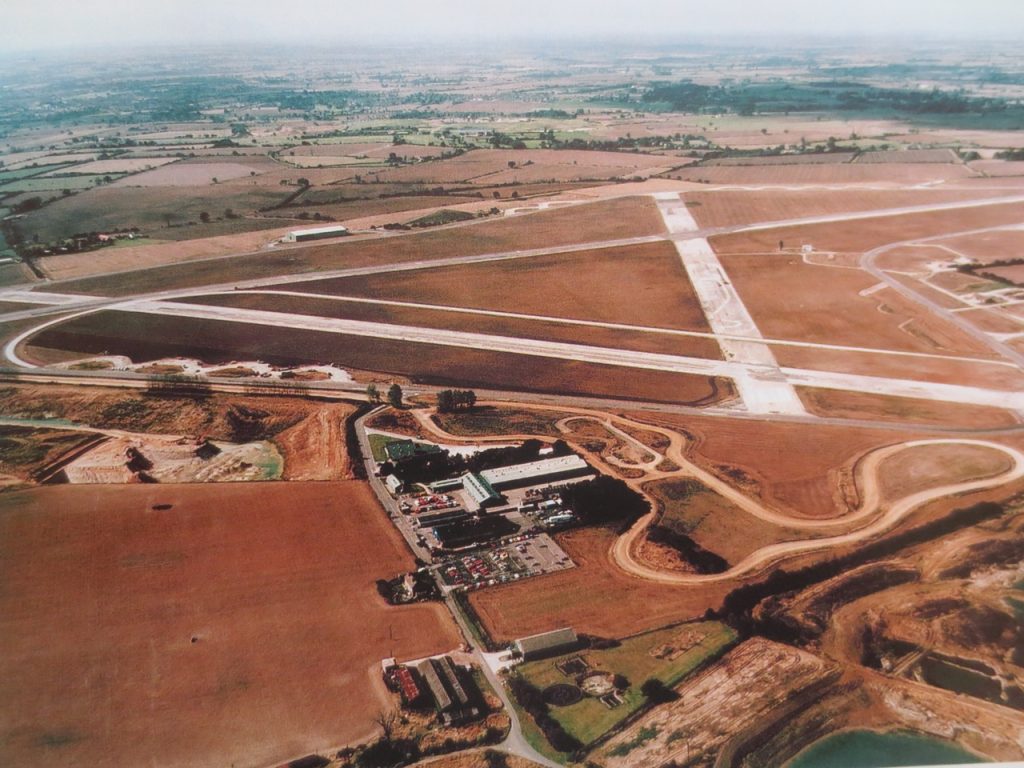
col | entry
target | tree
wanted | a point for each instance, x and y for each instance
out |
(395, 396)
(372, 393)
(495, 759)
(204, 217)
(657, 692)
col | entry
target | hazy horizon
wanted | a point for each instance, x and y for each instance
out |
(46, 25)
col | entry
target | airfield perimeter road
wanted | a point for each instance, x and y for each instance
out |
(733, 369)
(750, 374)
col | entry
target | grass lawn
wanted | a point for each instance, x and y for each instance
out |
(634, 659)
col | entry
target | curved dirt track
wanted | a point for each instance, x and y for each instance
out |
(882, 516)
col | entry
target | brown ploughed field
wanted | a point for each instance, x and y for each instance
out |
(725, 208)
(637, 285)
(194, 626)
(834, 403)
(594, 597)
(800, 469)
(614, 219)
(789, 299)
(150, 337)
(866, 234)
(688, 346)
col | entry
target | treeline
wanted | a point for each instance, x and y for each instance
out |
(449, 400)
(1010, 154)
(605, 501)
(738, 605)
(747, 99)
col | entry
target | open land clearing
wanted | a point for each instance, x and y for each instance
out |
(606, 220)
(271, 655)
(830, 306)
(638, 285)
(926, 466)
(835, 403)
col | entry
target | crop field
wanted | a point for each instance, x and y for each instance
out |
(150, 337)
(865, 234)
(732, 207)
(120, 165)
(833, 403)
(605, 220)
(271, 655)
(492, 167)
(643, 285)
(474, 323)
(596, 597)
(841, 173)
(193, 173)
(667, 655)
(790, 299)
(801, 469)
(151, 209)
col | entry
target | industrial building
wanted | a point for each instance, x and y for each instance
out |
(454, 703)
(546, 644)
(316, 233)
(536, 472)
(480, 491)
(394, 484)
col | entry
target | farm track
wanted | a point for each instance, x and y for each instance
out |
(877, 515)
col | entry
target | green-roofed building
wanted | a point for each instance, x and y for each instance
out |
(400, 450)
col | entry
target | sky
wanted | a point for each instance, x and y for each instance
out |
(49, 24)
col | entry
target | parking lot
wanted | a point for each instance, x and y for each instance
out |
(520, 558)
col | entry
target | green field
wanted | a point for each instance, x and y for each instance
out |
(58, 183)
(634, 659)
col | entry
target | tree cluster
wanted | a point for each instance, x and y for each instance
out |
(449, 400)
(605, 501)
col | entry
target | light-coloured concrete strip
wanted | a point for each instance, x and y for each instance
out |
(603, 355)
(765, 392)
(613, 326)
(42, 297)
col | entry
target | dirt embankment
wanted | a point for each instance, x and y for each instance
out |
(309, 434)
